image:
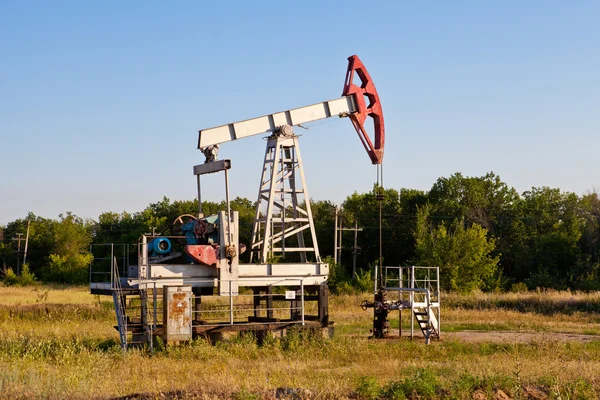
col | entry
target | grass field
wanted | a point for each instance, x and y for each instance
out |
(59, 342)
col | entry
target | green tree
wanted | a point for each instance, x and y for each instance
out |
(70, 257)
(589, 242)
(41, 241)
(481, 200)
(324, 218)
(550, 253)
(364, 208)
(463, 254)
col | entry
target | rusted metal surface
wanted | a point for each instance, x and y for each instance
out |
(205, 254)
(177, 325)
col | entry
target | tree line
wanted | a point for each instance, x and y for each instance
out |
(481, 232)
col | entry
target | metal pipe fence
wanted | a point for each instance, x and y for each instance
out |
(214, 310)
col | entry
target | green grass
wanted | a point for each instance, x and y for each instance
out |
(70, 350)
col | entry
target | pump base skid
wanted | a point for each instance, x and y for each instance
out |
(250, 275)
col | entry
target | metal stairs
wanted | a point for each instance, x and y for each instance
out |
(427, 322)
(133, 330)
(121, 317)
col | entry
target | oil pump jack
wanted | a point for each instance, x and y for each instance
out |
(283, 227)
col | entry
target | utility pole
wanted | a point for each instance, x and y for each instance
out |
(19, 238)
(355, 249)
(340, 232)
(337, 249)
(335, 238)
(26, 243)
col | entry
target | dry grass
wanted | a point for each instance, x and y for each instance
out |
(54, 294)
(70, 350)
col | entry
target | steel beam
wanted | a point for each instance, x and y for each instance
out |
(272, 122)
(212, 167)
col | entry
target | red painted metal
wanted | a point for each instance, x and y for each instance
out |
(364, 110)
(203, 253)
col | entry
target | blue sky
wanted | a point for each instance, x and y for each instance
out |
(100, 102)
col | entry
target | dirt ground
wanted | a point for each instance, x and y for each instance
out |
(504, 336)
(516, 337)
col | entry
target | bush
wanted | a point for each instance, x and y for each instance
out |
(72, 269)
(363, 281)
(519, 287)
(10, 278)
(368, 388)
(337, 275)
(423, 385)
(27, 278)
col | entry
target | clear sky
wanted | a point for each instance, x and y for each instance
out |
(100, 102)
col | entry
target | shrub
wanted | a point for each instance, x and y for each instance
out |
(422, 385)
(368, 388)
(337, 275)
(27, 278)
(581, 389)
(72, 269)
(519, 287)
(363, 281)
(10, 278)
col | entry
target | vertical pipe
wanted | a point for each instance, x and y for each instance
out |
(412, 302)
(437, 278)
(200, 215)
(142, 269)
(155, 300)
(400, 314)
(375, 281)
(438, 301)
(380, 238)
(302, 299)
(230, 305)
(284, 154)
(112, 266)
(271, 254)
(230, 234)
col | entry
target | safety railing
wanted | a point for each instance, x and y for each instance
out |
(417, 288)
(413, 277)
(101, 268)
(282, 304)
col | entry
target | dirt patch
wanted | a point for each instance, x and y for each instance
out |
(534, 392)
(498, 337)
(516, 337)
